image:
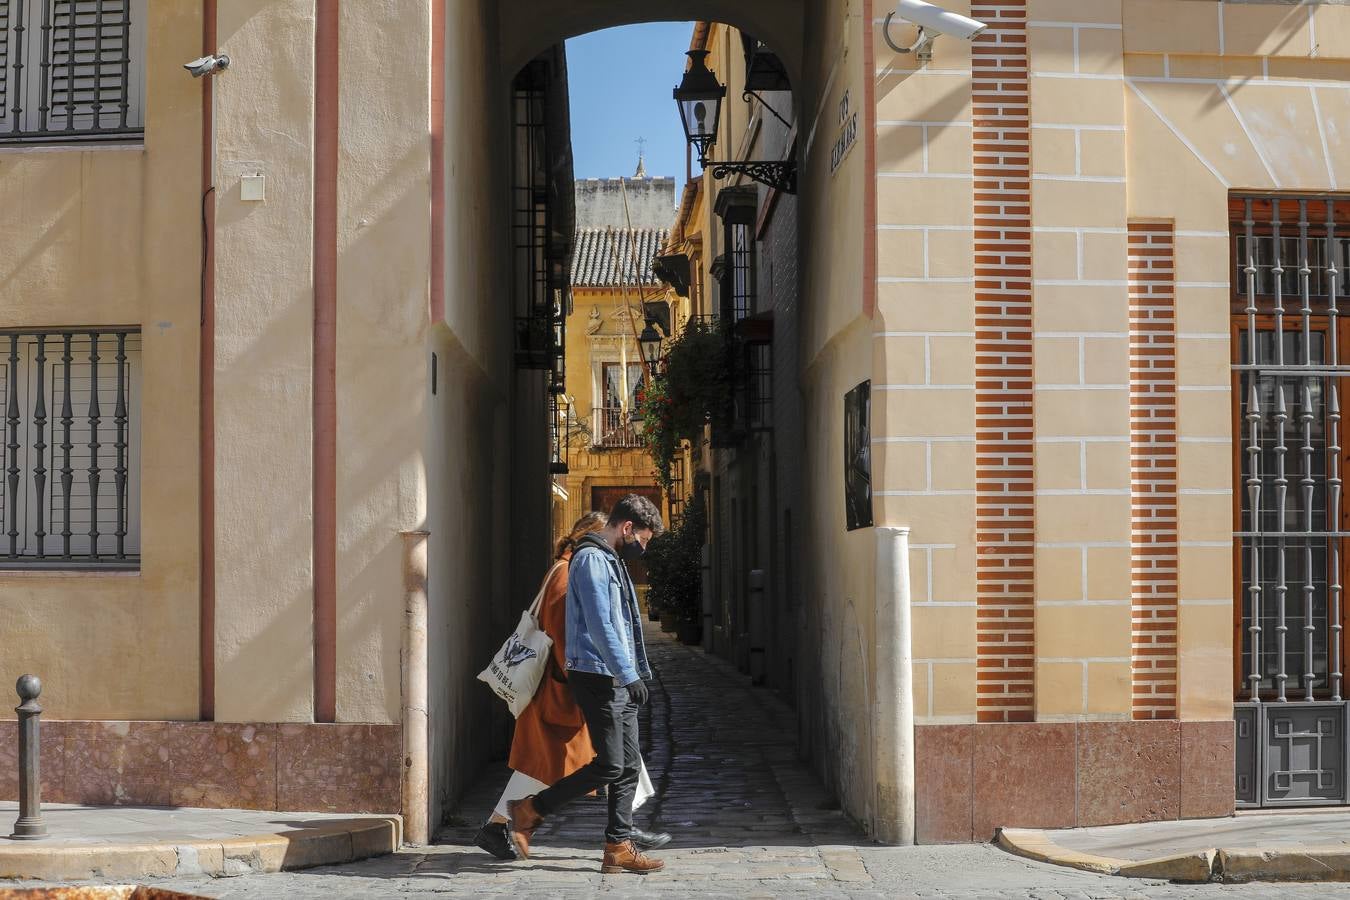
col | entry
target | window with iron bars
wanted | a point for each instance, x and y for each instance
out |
(72, 70)
(539, 284)
(71, 448)
(756, 396)
(677, 487)
(738, 280)
(1289, 339)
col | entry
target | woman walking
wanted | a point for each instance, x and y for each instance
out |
(551, 740)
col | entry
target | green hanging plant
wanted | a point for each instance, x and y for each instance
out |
(694, 386)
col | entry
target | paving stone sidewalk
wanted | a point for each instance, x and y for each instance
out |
(749, 819)
(1269, 831)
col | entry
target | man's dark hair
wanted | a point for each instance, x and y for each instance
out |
(640, 511)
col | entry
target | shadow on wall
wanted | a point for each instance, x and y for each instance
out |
(464, 466)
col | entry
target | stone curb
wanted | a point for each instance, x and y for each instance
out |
(1196, 866)
(330, 843)
(1235, 866)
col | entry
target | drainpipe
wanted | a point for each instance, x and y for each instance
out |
(206, 399)
(893, 702)
(416, 828)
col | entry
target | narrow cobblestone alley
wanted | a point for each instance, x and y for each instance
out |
(749, 820)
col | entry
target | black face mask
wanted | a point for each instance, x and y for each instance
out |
(632, 551)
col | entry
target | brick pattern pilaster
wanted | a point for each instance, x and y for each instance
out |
(1153, 471)
(1005, 495)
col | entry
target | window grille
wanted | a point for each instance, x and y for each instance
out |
(539, 278)
(71, 402)
(738, 296)
(677, 487)
(759, 386)
(557, 435)
(71, 69)
(1290, 258)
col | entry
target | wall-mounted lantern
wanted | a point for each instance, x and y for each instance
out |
(699, 98)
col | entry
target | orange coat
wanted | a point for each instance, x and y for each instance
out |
(551, 740)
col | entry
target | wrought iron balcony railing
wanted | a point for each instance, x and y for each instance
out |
(71, 457)
(71, 70)
(616, 429)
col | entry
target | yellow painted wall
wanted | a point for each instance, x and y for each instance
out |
(469, 471)
(1142, 109)
(593, 467)
(923, 389)
(836, 353)
(264, 326)
(109, 235)
(265, 124)
(383, 365)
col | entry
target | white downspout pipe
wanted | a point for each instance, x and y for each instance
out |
(416, 827)
(893, 699)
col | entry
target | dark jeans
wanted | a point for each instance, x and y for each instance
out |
(612, 720)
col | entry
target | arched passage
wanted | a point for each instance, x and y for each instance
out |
(528, 27)
(830, 568)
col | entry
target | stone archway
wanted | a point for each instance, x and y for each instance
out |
(779, 23)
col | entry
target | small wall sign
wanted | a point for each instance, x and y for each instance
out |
(848, 134)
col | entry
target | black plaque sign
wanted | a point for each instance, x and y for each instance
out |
(858, 456)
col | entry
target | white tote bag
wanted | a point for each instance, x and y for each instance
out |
(515, 672)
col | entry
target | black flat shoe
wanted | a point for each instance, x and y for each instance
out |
(648, 840)
(493, 839)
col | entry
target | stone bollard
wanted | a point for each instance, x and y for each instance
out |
(29, 826)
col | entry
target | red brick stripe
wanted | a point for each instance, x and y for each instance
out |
(1005, 499)
(1153, 471)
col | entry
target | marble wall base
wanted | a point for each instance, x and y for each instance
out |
(288, 767)
(973, 779)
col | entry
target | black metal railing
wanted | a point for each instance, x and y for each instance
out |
(69, 70)
(616, 429)
(71, 401)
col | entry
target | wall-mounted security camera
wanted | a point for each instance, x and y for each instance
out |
(932, 21)
(207, 65)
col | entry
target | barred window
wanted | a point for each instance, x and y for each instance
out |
(71, 69)
(71, 448)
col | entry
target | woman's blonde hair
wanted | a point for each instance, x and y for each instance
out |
(587, 524)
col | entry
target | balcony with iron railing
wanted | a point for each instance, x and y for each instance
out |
(614, 429)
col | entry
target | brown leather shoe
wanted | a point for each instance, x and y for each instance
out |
(523, 820)
(626, 857)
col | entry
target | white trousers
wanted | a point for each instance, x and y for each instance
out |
(521, 786)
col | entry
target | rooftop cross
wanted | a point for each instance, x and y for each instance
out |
(641, 166)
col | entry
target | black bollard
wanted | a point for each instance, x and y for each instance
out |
(29, 826)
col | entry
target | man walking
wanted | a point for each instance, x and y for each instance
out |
(606, 668)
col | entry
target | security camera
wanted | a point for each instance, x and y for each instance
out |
(932, 21)
(206, 65)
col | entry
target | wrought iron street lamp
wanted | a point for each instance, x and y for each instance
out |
(650, 342)
(699, 98)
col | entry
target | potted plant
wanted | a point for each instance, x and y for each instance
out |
(674, 571)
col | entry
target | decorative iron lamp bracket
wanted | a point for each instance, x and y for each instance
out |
(781, 176)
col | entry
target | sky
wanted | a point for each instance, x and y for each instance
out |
(620, 90)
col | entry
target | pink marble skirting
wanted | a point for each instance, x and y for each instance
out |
(972, 779)
(286, 767)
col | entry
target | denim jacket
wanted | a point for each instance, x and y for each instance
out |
(604, 629)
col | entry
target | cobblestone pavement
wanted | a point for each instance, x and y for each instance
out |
(749, 820)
